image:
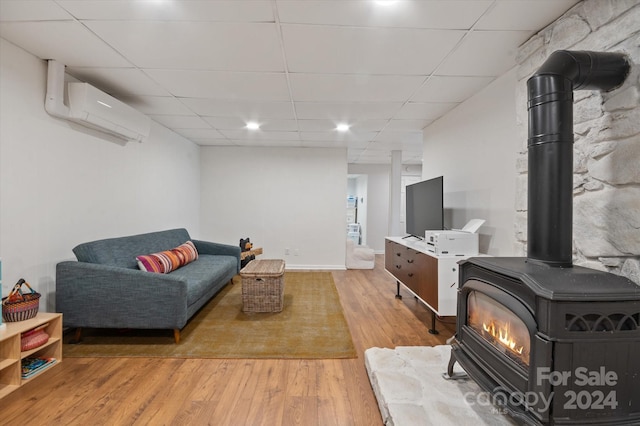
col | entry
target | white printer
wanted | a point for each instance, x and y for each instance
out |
(457, 242)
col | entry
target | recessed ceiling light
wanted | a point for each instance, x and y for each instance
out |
(252, 125)
(342, 127)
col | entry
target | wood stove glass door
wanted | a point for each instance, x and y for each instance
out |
(499, 326)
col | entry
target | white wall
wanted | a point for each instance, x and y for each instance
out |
(61, 186)
(282, 198)
(475, 148)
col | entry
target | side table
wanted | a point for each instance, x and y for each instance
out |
(256, 251)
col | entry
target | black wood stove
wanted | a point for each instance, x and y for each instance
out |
(551, 342)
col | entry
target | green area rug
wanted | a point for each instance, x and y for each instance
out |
(311, 325)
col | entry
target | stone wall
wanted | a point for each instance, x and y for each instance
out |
(606, 217)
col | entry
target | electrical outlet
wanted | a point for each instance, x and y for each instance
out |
(287, 252)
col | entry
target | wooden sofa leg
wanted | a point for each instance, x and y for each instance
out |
(78, 335)
(176, 335)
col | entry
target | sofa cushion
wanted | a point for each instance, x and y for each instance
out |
(201, 274)
(122, 251)
(168, 260)
(186, 252)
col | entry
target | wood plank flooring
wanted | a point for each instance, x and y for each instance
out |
(143, 391)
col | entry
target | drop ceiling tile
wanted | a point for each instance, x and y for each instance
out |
(412, 14)
(243, 110)
(523, 14)
(212, 142)
(181, 121)
(353, 88)
(268, 143)
(33, 10)
(231, 123)
(407, 124)
(450, 88)
(119, 82)
(194, 45)
(366, 50)
(322, 125)
(367, 125)
(222, 84)
(424, 111)
(202, 10)
(485, 53)
(346, 112)
(338, 136)
(260, 135)
(269, 124)
(330, 125)
(209, 134)
(68, 42)
(159, 105)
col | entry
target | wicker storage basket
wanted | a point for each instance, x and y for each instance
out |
(33, 338)
(263, 286)
(18, 306)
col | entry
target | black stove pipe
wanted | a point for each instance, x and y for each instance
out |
(550, 145)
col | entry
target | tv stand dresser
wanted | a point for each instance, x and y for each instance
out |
(431, 278)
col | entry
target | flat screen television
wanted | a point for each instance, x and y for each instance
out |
(424, 209)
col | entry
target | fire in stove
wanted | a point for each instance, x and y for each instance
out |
(501, 334)
(499, 326)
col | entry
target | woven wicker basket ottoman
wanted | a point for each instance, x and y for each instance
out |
(263, 285)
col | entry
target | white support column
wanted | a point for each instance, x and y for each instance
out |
(394, 194)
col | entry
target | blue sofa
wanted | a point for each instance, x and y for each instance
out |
(105, 288)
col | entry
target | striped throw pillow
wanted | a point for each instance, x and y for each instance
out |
(186, 252)
(168, 260)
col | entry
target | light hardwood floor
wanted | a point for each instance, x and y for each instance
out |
(128, 391)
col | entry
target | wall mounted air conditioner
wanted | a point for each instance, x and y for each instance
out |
(93, 108)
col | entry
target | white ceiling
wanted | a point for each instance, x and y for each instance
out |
(298, 67)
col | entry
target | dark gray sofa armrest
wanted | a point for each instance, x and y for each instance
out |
(207, 247)
(104, 296)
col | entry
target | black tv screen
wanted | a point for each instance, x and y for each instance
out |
(424, 209)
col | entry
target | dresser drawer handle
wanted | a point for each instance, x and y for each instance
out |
(398, 266)
(410, 274)
(410, 260)
(398, 254)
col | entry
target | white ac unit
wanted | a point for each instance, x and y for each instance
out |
(93, 108)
